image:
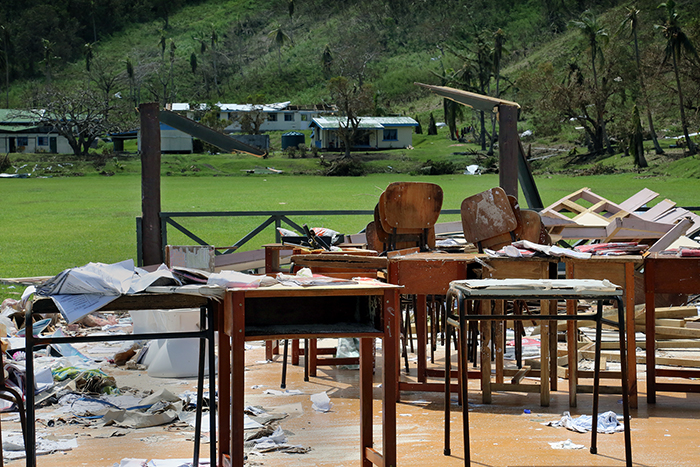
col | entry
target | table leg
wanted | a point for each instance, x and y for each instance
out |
(237, 378)
(485, 330)
(224, 409)
(544, 356)
(649, 280)
(421, 337)
(631, 339)
(366, 412)
(390, 368)
(499, 309)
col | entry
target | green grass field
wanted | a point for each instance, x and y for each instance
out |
(54, 223)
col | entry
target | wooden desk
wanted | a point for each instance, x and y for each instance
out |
(364, 311)
(664, 274)
(519, 268)
(618, 270)
(423, 274)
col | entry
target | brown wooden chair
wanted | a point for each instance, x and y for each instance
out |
(407, 212)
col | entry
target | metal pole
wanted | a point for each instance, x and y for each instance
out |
(150, 183)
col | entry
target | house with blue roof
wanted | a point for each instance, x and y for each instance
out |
(374, 132)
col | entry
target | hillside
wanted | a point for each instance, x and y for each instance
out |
(278, 50)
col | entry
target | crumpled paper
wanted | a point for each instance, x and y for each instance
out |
(607, 423)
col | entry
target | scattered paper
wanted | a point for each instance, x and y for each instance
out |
(286, 392)
(568, 444)
(321, 402)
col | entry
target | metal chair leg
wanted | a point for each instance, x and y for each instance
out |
(283, 384)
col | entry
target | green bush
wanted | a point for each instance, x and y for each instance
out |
(347, 168)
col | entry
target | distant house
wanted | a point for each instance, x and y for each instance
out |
(20, 132)
(280, 116)
(375, 132)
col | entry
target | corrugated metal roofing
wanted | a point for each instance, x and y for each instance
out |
(366, 123)
(17, 128)
(14, 116)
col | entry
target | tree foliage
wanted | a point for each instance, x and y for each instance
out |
(81, 116)
(353, 101)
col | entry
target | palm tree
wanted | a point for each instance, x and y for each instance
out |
(279, 37)
(631, 21)
(596, 36)
(678, 45)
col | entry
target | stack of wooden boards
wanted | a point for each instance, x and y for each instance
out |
(593, 217)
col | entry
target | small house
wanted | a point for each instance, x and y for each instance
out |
(374, 132)
(172, 141)
(20, 132)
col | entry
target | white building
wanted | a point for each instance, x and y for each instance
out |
(280, 116)
(19, 132)
(375, 132)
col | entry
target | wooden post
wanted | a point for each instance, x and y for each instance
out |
(150, 184)
(508, 149)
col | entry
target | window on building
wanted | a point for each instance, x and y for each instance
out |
(42, 141)
(271, 117)
(23, 141)
(391, 135)
(288, 117)
(304, 118)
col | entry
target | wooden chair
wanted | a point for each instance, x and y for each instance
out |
(407, 213)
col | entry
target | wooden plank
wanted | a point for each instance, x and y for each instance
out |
(520, 375)
(671, 236)
(657, 211)
(669, 312)
(638, 200)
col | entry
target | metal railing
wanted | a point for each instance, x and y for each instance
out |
(271, 217)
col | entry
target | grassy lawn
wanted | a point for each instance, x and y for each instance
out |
(54, 223)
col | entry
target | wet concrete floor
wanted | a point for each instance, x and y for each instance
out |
(502, 433)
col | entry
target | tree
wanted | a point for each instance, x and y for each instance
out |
(252, 120)
(279, 38)
(352, 101)
(80, 115)
(432, 127)
(636, 147)
(5, 37)
(678, 45)
(631, 21)
(596, 35)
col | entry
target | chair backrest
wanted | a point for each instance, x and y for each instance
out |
(410, 207)
(487, 215)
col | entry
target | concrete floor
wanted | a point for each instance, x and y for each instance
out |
(502, 434)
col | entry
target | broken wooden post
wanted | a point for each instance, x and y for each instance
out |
(508, 148)
(151, 239)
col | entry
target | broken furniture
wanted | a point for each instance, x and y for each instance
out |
(367, 311)
(460, 297)
(670, 275)
(596, 218)
(488, 219)
(518, 268)
(423, 274)
(155, 298)
(618, 270)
